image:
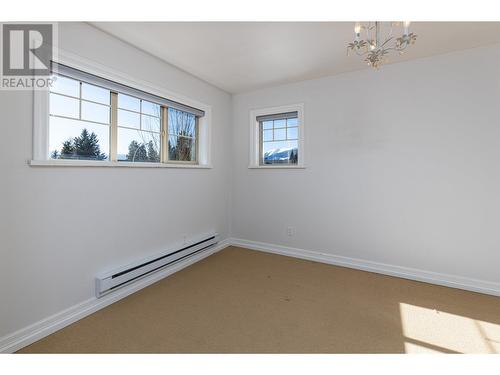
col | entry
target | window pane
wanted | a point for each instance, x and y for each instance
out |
(181, 148)
(150, 108)
(279, 134)
(96, 94)
(181, 123)
(267, 125)
(292, 122)
(279, 123)
(95, 112)
(151, 123)
(64, 106)
(74, 139)
(284, 152)
(267, 135)
(129, 102)
(66, 86)
(292, 133)
(138, 146)
(129, 119)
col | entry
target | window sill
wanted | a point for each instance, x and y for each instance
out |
(112, 164)
(276, 167)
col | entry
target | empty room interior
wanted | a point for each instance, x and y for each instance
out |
(250, 187)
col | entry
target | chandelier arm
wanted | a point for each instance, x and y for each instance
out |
(387, 41)
(393, 49)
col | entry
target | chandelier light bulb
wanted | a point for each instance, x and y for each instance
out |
(357, 28)
(406, 25)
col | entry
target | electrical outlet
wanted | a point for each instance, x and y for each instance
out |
(290, 231)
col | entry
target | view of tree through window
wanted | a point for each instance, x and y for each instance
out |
(139, 130)
(181, 135)
(79, 121)
(85, 146)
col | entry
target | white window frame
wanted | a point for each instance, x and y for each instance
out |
(255, 135)
(41, 120)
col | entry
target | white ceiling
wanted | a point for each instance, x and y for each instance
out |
(244, 56)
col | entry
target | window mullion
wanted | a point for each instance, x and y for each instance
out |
(261, 141)
(164, 136)
(113, 131)
(140, 114)
(196, 141)
(80, 102)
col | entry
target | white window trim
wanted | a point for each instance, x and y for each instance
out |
(41, 119)
(255, 136)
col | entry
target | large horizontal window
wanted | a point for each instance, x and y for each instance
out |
(92, 118)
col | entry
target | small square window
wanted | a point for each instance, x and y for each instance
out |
(279, 143)
(277, 137)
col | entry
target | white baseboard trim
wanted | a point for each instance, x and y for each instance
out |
(452, 281)
(47, 326)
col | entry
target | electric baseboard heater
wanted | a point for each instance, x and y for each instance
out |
(122, 276)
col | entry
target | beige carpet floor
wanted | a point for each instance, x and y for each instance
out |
(243, 301)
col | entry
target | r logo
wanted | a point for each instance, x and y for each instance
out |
(27, 49)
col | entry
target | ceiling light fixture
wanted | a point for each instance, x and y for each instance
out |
(379, 41)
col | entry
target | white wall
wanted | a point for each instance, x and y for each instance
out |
(59, 227)
(403, 166)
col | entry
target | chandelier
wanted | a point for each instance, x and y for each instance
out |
(380, 40)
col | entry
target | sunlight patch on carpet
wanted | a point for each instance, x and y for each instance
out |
(432, 331)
